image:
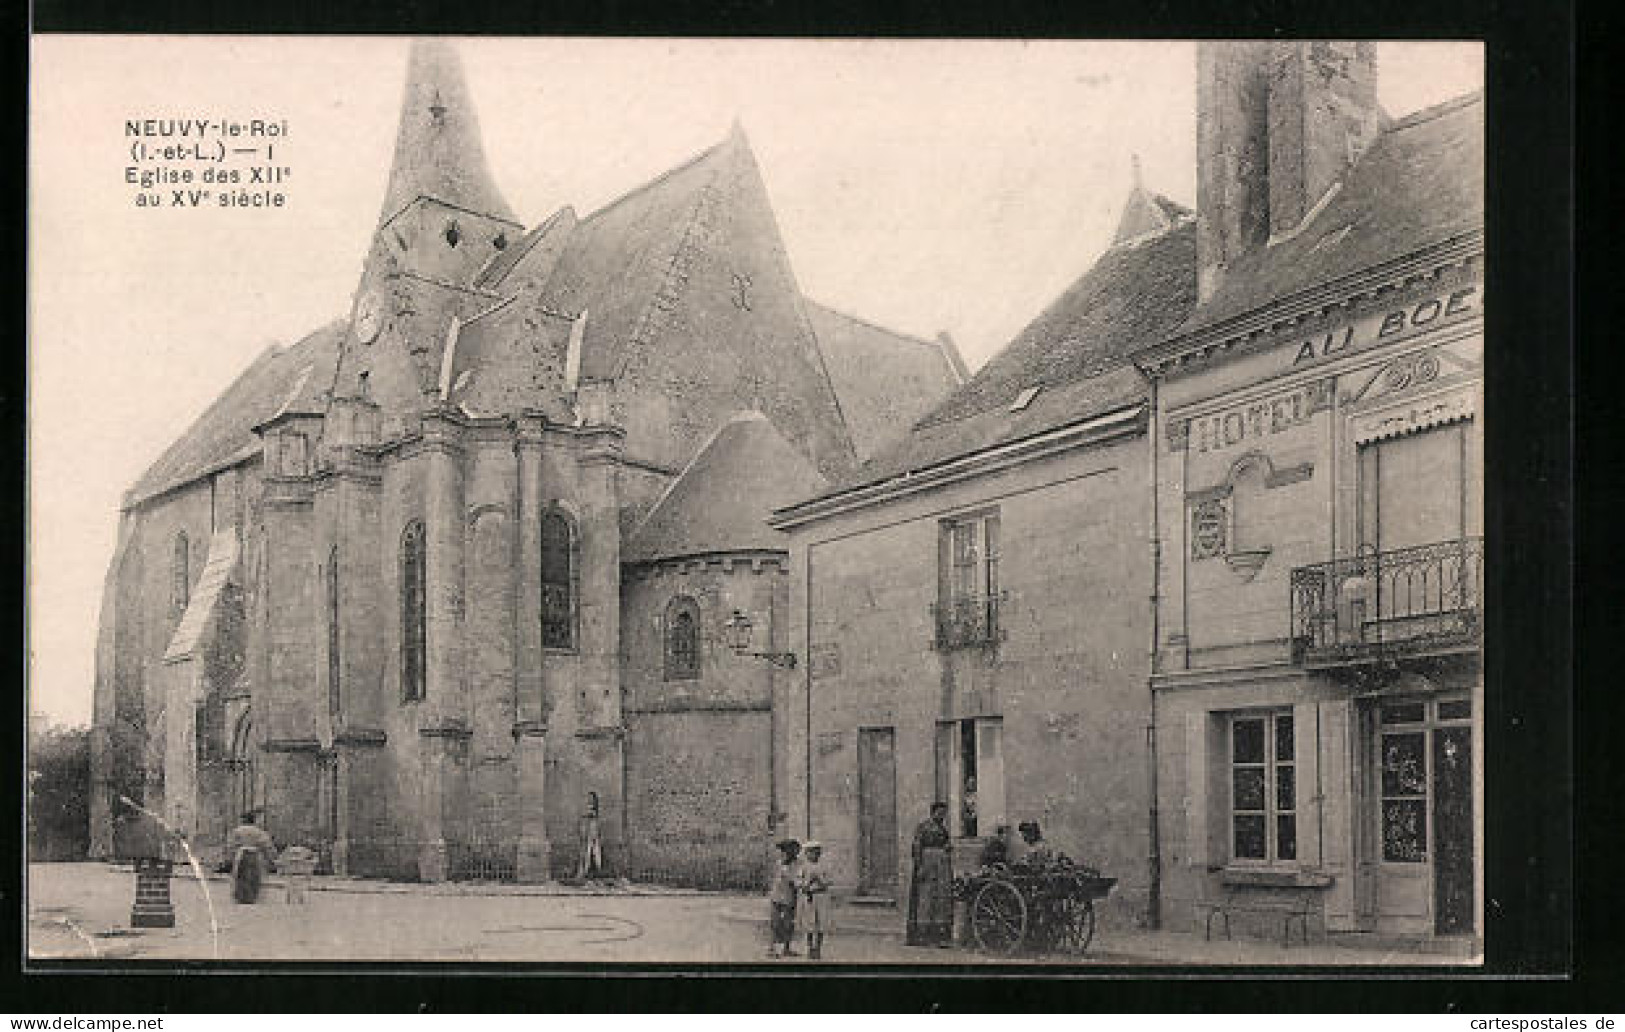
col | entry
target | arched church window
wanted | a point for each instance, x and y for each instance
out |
(682, 639)
(245, 794)
(558, 580)
(333, 630)
(413, 622)
(181, 588)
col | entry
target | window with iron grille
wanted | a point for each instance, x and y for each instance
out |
(1263, 788)
(967, 608)
(558, 581)
(413, 622)
(333, 673)
(682, 639)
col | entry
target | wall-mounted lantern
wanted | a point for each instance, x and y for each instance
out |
(741, 635)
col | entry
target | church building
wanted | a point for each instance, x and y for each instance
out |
(429, 585)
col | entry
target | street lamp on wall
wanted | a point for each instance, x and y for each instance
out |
(741, 635)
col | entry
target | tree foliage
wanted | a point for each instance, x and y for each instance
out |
(59, 793)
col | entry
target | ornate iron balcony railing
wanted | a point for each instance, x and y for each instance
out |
(1375, 605)
(967, 621)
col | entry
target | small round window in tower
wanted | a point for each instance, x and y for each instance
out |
(453, 234)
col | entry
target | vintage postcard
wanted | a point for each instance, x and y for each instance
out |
(787, 503)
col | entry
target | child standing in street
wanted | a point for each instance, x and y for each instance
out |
(782, 898)
(815, 886)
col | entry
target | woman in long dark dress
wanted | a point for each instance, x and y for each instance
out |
(252, 854)
(931, 889)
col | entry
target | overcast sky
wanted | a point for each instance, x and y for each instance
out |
(924, 185)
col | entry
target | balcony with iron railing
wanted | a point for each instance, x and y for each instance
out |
(967, 621)
(1376, 606)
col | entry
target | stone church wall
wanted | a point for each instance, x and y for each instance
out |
(701, 752)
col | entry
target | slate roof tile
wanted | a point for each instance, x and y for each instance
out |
(721, 500)
(224, 434)
(884, 380)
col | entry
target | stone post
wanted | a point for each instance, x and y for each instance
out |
(292, 689)
(530, 703)
(444, 727)
(600, 580)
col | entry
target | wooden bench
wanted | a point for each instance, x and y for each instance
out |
(1241, 890)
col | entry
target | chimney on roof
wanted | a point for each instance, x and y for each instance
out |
(1323, 115)
(1277, 126)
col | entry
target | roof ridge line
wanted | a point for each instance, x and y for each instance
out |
(657, 180)
(268, 353)
(648, 325)
(1433, 111)
(447, 285)
(860, 320)
(632, 535)
(465, 209)
(526, 244)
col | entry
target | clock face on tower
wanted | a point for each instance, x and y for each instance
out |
(368, 317)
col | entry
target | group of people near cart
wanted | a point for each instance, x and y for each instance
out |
(800, 888)
(800, 891)
(931, 884)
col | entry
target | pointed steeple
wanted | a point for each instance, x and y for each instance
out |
(438, 152)
(1145, 214)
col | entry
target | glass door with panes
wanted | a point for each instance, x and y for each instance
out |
(970, 775)
(1425, 829)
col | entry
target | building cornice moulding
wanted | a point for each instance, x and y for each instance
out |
(1124, 422)
(1457, 259)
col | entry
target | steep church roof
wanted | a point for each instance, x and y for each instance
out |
(623, 255)
(224, 434)
(884, 380)
(438, 148)
(721, 501)
(680, 292)
(692, 298)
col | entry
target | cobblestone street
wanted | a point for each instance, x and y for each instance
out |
(81, 912)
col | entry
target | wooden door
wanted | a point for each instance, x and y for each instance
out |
(877, 811)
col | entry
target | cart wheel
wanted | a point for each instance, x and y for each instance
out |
(1080, 925)
(998, 917)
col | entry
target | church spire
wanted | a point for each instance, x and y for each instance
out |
(438, 152)
(1145, 214)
